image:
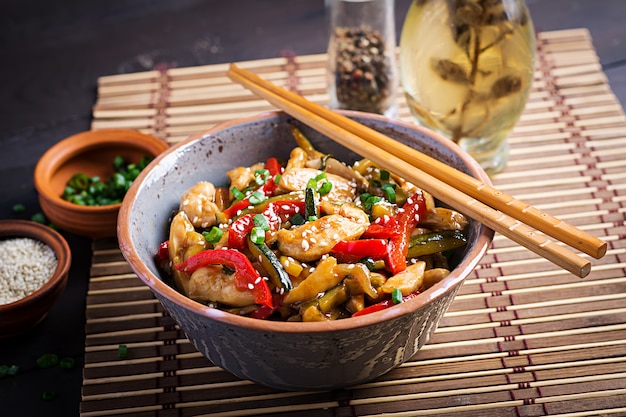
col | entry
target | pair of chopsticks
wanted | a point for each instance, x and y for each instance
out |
(499, 211)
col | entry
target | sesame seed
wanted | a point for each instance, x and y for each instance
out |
(26, 265)
(250, 286)
(305, 245)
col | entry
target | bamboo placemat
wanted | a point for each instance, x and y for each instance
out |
(522, 337)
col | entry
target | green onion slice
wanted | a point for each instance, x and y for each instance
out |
(261, 221)
(396, 296)
(390, 192)
(47, 360)
(122, 351)
(214, 235)
(257, 235)
(237, 194)
(256, 198)
(325, 188)
(261, 176)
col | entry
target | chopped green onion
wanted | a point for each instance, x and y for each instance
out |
(369, 200)
(47, 360)
(277, 178)
(297, 219)
(311, 184)
(256, 198)
(396, 296)
(4, 371)
(48, 395)
(390, 192)
(39, 218)
(19, 208)
(325, 188)
(261, 176)
(214, 235)
(261, 221)
(13, 370)
(122, 351)
(118, 162)
(67, 363)
(312, 218)
(237, 194)
(257, 235)
(384, 175)
(91, 191)
(321, 176)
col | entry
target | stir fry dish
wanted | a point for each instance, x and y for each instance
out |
(308, 239)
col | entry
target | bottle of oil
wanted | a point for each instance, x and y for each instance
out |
(466, 67)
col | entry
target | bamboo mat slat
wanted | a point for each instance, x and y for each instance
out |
(522, 338)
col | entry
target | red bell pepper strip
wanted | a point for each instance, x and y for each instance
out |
(246, 277)
(242, 227)
(353, 250)
(264, 312)
(413, 211)
(239, 230)
(382, 305)
(163, 251)
(273, 166)
(232, 211)
(382, 229)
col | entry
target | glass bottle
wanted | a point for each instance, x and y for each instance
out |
(466, 68)
(362, 66)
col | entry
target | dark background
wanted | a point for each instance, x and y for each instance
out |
(52, 53)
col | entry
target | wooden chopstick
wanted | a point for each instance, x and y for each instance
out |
(499, 200)
(496, 220)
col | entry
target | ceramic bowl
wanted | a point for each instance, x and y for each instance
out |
(285, 355)
(91, 153)
(25, 313)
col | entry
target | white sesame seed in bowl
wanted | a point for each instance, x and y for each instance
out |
(25, 266)
(34, 267)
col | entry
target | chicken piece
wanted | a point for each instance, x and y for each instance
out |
(297, 158)
(198, 203)
(358, 277)
(184, 242)
(296, 179)
(407, 281)
(445, 219)
(347, 210)
(212, 284)
(334, 166)
(322, 279)
(241, 177)
(310, 241)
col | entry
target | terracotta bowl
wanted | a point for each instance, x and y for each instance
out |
(285, 355)
(27, 312)
(91, 153)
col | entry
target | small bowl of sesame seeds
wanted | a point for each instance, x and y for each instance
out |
(34, 266)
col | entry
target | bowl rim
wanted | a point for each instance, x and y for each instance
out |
(162, 289)
(84, 141)
(45, 234)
